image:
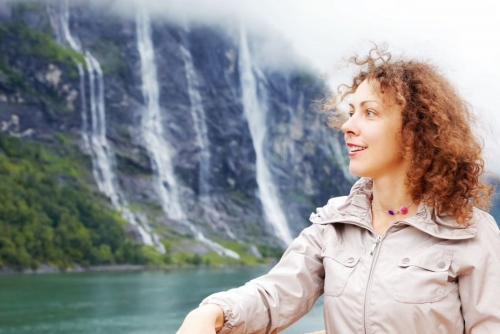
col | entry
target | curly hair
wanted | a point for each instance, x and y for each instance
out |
(444, 154)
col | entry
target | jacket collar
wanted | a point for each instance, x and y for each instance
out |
(356, 209)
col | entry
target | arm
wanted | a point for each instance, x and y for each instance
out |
(479, 281)
(207, 319)
(274, 301)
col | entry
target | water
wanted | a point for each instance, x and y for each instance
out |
(94, 134)
(198, 114)
(199, 118)
(160, 150)
(341, 158)
(255, 113)
(127, 302)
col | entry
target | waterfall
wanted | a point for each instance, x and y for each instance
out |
(94, 134)
(101, 152)
(255, 113)
(341, 158)
(198, 114)
(160, 151)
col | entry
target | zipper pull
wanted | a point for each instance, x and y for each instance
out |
(376, 243)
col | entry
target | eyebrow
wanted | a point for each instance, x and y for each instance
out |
(363, 103)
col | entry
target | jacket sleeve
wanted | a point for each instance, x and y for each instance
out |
(272, 302)
(479, 279)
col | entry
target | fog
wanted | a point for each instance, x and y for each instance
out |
(459, 37)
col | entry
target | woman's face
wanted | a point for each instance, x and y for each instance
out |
(372, 134)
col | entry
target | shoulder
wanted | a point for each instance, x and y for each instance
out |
(485, 224)
(338, 207)
(487, 238)
(320, 220)
(328, 212)
(337, 201)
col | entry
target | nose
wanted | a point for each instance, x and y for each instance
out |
(349, 126)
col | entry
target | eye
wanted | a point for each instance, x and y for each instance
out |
(350, 113)
(370, 113)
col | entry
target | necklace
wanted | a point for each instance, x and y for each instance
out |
(402, 210)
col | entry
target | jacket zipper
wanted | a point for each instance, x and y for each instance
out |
(374, 252)
(376, 243)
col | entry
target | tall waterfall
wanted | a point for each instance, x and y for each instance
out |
(94, 134)
(198, 114)
(160, 151)
(341, 158)
(255, 112)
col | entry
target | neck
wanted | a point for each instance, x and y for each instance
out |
(390, 194)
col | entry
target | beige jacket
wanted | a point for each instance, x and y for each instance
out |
(424, 275)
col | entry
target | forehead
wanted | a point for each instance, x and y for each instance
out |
(369, 91)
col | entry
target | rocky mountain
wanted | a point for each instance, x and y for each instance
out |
(187, 134)
(180, 137)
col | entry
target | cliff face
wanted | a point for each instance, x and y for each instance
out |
(186, 133)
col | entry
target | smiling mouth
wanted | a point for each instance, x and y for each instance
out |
(356, 148)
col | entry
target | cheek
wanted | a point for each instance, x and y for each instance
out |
(396, 134)
(392, 143)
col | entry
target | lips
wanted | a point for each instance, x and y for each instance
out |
(355, 149)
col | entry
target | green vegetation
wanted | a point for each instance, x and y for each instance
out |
(239, 195)
(110, 57)
(213, 259)
(129, 166)
(34, 43)
(20, 7)
(300, 197)
(13, 77)
(48, 214)
(270, 252)
(22, 49)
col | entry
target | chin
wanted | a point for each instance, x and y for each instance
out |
(356, 172)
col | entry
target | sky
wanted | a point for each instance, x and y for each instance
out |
(460, 37)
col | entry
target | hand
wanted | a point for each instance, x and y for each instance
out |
(207, 319)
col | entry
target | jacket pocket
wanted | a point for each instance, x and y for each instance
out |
(422, 277)
(339, 265)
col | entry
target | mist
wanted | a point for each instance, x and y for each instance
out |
(458, 37)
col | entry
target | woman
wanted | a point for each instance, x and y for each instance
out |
(406, 251)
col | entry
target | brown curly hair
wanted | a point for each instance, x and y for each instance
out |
(444, 154)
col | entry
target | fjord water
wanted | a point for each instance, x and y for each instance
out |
(144, 302)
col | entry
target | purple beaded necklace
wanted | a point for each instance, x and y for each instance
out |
(402, 210)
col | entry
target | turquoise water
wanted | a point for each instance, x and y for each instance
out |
(120, 302)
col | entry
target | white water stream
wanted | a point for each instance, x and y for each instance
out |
(255, 110)
(341, 157)
(160, 151)
(198, 114)
(199, 117)
(94, 134)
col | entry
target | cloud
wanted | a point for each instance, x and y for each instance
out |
(459, 36)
